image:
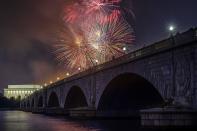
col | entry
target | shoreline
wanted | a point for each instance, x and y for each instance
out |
(9, 109)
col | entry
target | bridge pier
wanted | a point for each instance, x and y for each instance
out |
(150, 118)
(38, 110)
(56, 111)
(118, 114)
(82, 112)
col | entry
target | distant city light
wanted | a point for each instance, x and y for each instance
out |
(96, 61)
(20, 91)
(51, 82)
(58, 78)
(67, 74)
(79, 68)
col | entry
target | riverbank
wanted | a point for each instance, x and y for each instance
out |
(9, 109)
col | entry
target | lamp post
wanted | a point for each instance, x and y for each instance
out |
(94, 83)
(172, 29)
(67, 74)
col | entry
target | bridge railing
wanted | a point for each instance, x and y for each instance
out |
(178, 40)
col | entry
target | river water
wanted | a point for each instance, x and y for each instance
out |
(24, 121)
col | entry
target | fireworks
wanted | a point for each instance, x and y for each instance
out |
(74, 51)
(97, 33)
(101, 11)
(109, 39)
(105, 9)
(72, 13)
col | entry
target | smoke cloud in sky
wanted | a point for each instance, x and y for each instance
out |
(28, 27)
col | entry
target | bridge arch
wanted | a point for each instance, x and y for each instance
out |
(23, 104)
(28, 104)
(75, 98)
(129, 91)
(53, 100)
(40, 101)
(32, 103)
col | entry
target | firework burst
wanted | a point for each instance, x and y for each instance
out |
(102, 6)
(102, 11)
(72, 13)
(96, 45)
(109, 39)
(74, 51)
(97, 33)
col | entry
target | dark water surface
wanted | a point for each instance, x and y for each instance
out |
(23, 121)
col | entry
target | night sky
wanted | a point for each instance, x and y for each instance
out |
(27, 29)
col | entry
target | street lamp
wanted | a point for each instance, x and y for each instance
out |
(45, 84)
(172, 29)
(67, 74)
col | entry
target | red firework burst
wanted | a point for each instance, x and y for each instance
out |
(97, 33)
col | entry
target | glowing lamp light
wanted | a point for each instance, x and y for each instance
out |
(67, 74)
(45, 84)
(79, 68)
(51, 82)
(58, 78)
(171, 28)
(124, 48)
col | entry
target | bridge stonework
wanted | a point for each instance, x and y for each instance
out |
(170, 66)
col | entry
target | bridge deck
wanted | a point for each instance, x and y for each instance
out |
(176, 41)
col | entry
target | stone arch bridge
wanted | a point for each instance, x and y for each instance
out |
(145, 78)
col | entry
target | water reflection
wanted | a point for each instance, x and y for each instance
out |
(22, 121)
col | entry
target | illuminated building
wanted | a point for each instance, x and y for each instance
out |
(20, 91)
